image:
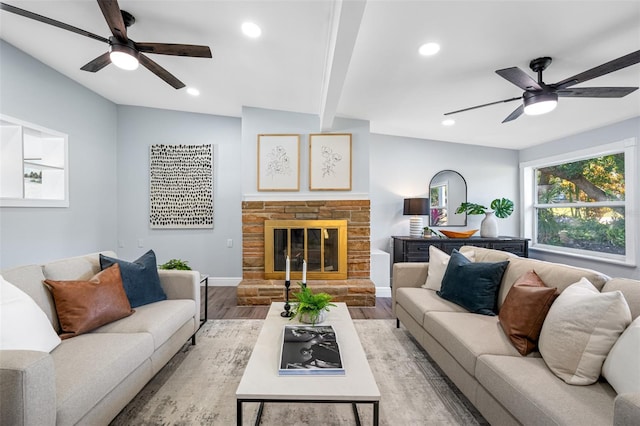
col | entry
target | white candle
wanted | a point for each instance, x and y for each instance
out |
(304, 271)
(287, 269)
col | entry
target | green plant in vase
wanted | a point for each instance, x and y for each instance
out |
(500, 207)
(176, 264)
(311, 308)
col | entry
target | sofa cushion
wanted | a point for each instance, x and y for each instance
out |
(90, 366)
(85, 305)
(23, 325)
(524, 311)
(473, 286)
(553, 274)
(160, 319)
(418, 301)
(622, 366)
(73, 268)
(438, 261)
(466, 336)
(30, 279)
(579, 331)
(631, 291)
(534, 395)
(140, 278)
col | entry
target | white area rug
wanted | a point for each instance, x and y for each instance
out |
(197, 387)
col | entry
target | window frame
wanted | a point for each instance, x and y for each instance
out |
(530, 205)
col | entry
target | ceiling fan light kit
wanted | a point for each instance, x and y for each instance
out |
(539, 103)
(123, 56)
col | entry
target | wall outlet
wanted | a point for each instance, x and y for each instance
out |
(229, 243)
(140, 243)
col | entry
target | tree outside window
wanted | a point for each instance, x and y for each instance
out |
(581, 205)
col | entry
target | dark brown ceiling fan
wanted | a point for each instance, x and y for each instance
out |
(539, 97)
(121, 46)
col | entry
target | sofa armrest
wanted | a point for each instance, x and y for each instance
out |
(27, 388)
(626, 409)
(408, 274)
(179, 284)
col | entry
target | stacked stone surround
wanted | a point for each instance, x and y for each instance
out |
(356, 290)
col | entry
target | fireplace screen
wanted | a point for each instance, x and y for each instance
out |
(322, 243)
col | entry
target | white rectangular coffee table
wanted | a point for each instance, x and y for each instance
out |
(261, 383)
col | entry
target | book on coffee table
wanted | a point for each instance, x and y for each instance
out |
(310, 350)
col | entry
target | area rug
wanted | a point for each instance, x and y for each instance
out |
(197, 387)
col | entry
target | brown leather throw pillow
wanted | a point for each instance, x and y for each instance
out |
(524, 310)
(86, 305)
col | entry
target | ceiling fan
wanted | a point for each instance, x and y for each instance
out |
(123, 52)
(540, 98)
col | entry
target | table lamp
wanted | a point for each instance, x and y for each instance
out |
(416, 207)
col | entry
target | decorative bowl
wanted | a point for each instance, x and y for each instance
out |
(458, 234)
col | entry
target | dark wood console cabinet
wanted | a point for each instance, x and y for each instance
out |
(410, 249)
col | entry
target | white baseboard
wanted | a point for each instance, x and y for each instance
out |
(223, 281)
(383, 291)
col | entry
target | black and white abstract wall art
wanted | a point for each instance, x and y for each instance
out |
(181, 186)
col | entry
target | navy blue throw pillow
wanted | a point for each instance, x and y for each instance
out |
(139, 278)
(474, 286)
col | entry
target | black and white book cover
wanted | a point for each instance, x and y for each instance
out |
(310, 349)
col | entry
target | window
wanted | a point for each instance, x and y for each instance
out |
(582, 205)
(34, 165)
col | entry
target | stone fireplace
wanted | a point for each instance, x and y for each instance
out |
(261, 287)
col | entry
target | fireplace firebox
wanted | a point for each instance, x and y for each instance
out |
(321, 243)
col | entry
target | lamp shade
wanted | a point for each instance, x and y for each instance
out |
(416, 206)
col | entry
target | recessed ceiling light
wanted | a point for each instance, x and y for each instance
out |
(251, 30)
(193, 91)
(429, 49)
(448, 122)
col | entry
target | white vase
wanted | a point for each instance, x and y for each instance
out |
(489, 225)
(308, 319)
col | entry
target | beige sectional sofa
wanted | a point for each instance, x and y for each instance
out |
(475, 353)
(88, 379)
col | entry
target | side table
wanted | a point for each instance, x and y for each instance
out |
(205, 279)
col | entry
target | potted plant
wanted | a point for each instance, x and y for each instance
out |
(500, 207)
(176, 264)
(311, 308)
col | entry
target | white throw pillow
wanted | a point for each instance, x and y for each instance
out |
(579, 331)
(622, 366)
(23, 325)
(438, 261)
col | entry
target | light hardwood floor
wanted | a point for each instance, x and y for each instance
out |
(223, 305)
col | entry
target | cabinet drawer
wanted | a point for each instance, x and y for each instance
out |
(418, 247)
(514, 247)
(450, 245)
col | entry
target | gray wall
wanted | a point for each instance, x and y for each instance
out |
(33, 92)
(403, 167)
(601, 136)
(205, 249)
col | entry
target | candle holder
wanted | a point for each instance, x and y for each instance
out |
(287, 308)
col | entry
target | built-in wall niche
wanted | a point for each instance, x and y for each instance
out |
(34, 165)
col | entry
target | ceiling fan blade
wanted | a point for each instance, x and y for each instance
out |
(191, 50)
(98, 63)
(483, 105)
(113, 16)
(520, 78)
(515, 114)
(596, 92)
(50, 21)
(161, 72)
(600, 70)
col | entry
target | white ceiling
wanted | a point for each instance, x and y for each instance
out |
(357, 59)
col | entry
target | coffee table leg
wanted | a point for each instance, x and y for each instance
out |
(356, 414)
(238, 412)
(376, 413)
